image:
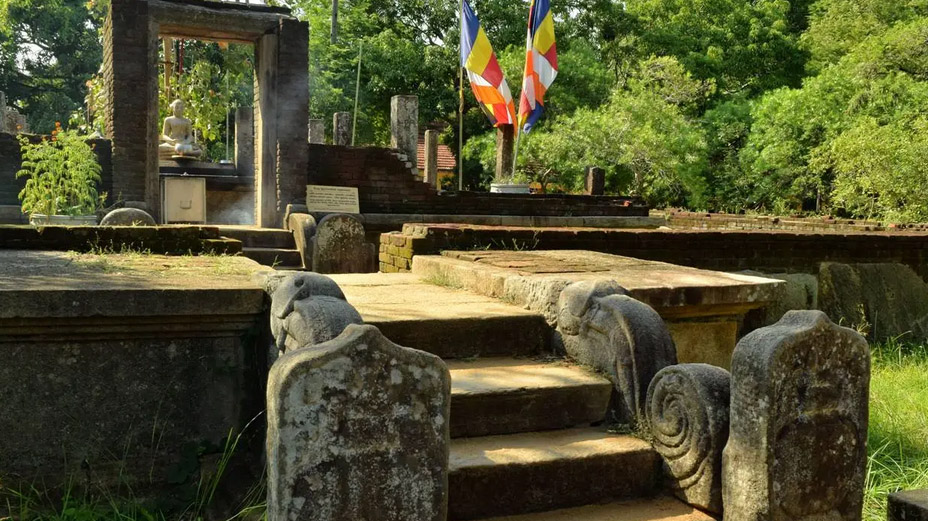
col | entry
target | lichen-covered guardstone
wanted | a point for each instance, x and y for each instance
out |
(798, 431)
(339, 246)
(358, 430)
(688, 417)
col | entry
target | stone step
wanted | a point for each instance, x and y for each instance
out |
(509, 395)
(661, 508)
(540, 471)
(274, 257)
(253, 237)
(445, 321)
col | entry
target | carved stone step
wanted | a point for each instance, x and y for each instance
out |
(539, 471)
(444, 321)
(661, 508)
(275, 257)
(507, 395)
(253, 237)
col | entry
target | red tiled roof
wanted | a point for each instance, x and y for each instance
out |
(446, 159)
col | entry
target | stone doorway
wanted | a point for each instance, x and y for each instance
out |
(130, 71)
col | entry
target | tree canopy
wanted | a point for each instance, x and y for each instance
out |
(770, 105)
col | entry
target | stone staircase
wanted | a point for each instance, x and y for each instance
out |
(268, 246)
(529, 432)
(407, 162)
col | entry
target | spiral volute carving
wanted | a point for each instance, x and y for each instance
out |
(687, 411)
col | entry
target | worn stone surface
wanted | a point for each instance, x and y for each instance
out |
(799, 404)
(661, 508)
(602, 327)
(688, 408)
(303, 227)
(444, 321)
(889, 299)
(245, 141)
(506, 395)
(128, 217)
(316, 131)
(505, 144)
(358, 429)
(539, 471)
(341, 128)
(160, 356)
(595, 181)
(431, 158)
(308, 309)
(799, 291)
(704, 340)
(339, 246)
(908, 505)
(404, 126)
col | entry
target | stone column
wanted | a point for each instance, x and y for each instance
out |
(130, 83)
(292, 114)
(316, 131)
(404, 126)
(245, 141)
(431, 158)
(341, 128)
(595, 181)
(505, 141)
(797, 447)
(266, 131)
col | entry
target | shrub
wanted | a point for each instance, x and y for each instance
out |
(62, 173)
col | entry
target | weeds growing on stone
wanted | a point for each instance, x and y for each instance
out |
(898, 433)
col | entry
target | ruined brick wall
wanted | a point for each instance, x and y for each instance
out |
(386, 185)
(723, 221)
(767, 251)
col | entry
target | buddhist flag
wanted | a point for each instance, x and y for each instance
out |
(540, 63)
(484, 72)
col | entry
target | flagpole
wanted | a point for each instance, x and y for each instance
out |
(461, 99)
(357, 92)
(515, 152)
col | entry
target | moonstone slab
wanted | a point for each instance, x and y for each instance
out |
(688, 418)
(358, 429)
(798, 438)
(128, 217)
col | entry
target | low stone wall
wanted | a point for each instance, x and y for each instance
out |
(725, 221)
(765, 251)
(177, 240)
(387, 185)
(130, 370)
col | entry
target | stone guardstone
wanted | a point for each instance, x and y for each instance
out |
(603, 328)
(308, 309)
(339, 246)
(128, 217)
(358, 429)
(797, 444)
(688, 419)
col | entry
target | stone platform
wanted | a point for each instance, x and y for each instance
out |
(129, 368)
(703, 309)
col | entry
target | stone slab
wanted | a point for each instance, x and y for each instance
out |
(385, 221)
(670, 289)
(68, 284)
(520, 473)
(451, 323)
(908, 505)
(507, 395)
(660, 508)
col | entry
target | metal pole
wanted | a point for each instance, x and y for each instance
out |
(357, 90)
(228, 108)
(461, 104)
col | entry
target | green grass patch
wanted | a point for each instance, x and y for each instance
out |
(898, 434)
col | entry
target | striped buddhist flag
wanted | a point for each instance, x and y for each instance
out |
(483, 71)
(540, 63)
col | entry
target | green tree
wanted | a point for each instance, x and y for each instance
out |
(48, 51)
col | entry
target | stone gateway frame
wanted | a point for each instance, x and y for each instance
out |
(130, 72)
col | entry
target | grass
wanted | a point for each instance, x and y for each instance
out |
(898, 434)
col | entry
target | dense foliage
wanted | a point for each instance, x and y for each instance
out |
(772, 105)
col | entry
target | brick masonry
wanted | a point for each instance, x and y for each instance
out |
(769, 251)
(386, 185)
